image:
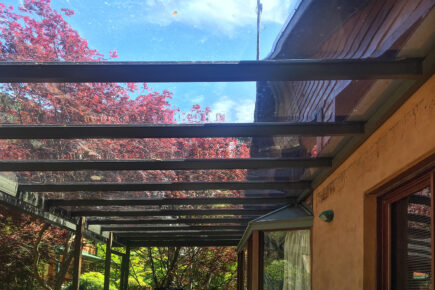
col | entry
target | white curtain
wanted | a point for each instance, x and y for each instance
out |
(298, 260)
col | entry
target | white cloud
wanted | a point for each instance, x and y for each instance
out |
(197, 100)
(240, 111)
(245, 111)
(221, 15)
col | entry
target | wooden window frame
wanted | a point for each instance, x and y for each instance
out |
(384, 223)
(261, 253)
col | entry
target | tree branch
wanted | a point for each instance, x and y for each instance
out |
(150, 256)
(36, 256)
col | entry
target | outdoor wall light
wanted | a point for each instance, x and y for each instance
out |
(327, 215)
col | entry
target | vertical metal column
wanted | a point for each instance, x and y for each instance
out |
(108, 261)
(121, 278)
(78, 254)
(125, 267)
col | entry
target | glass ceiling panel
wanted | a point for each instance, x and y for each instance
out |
(80, 30)
(127, 103)
(191, 30)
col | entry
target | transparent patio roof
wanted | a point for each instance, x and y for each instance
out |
(266, 170)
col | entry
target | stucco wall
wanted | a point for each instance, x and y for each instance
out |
(344, 251)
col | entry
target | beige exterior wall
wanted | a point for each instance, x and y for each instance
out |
(344, 251)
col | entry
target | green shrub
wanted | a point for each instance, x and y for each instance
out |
(91, 281)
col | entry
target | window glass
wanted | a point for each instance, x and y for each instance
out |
(287, 260)
(411, 253)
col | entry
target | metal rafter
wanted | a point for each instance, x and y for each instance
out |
(125, 228)
(186, 212)
(168, 201)
(174, 164)
(163, 186)
(179, 234)
(175, 222)
(223, 71)
(186, 243)
(210, 130)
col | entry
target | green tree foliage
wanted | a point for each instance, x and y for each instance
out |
(92, 281)
(35, 31)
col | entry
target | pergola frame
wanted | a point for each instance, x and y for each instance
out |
(180, 131)
(163, 186)
(274, 70)
(174, 164)
(206, 71)
(178, 221)
(169, 201)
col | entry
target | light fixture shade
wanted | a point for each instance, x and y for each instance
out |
(327, 215)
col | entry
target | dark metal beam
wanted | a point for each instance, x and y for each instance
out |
(223, 71)
(180, 239)
(187, 212)
(175, 164)
(163, 186)
(125, 269)
(168, 201)
(194, 221)
(170, 228)
(117, 253)
(175, 239)
(77, 262)
(108, 262)
(8, 131)
(187, 243)
(184, 234)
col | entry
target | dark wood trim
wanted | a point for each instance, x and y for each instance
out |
(240, 270)
(407, 189)
(409, 175)
(108, 261)
(209, 71)
(432, 190)
(78, 246)
(255, 259)
(250, 263)
(311, 257)
(398, 192)
(209, 130)
(261, 260)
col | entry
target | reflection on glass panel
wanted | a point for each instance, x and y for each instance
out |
(287, 260)
(67, 30)
(411, 238)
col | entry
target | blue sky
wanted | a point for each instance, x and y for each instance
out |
(189, 30)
